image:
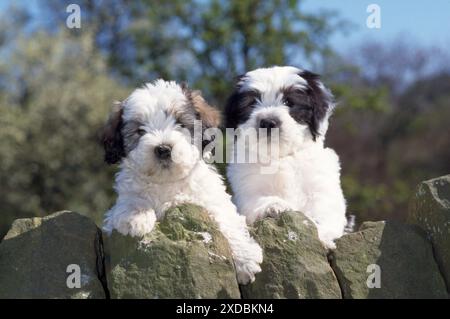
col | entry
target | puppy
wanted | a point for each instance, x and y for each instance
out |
(296, 105)
(151, 135)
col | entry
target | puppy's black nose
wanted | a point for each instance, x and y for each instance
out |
(269, 123)
(163, 151)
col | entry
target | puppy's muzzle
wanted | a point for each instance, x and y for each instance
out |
(163, 152)
(269, 124)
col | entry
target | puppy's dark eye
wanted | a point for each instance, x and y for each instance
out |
(141, 132)
(288, 103)
(180, 124)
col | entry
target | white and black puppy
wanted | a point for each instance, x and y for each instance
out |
(296, 105)
(161, 165)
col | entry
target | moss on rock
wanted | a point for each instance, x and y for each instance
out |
(295, 261)
(185, 256)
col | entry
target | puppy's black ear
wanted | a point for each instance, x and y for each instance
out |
(233, 111)
(112, 136)
(320, 100)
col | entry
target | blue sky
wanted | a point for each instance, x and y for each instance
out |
(425, 21)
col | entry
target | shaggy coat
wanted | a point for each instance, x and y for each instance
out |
(296, 105)
(161, 165)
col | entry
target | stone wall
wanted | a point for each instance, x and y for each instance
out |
(65, 255)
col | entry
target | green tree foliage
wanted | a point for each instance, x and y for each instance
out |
(56, 84)
(221, 39)
(56, 95)
(207, 43)
(56, 87)
(390, 129)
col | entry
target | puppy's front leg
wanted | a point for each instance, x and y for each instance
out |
(129, 220)
(327, 210)
(247, 254)
(328, 213)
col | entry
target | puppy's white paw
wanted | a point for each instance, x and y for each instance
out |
(141, 224)
(276, 208)
(246, 271)
(135, 225)
(327, 240)
(330, 245)
(266, 206)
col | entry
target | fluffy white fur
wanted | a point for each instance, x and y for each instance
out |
(307, 178)
(146, 189)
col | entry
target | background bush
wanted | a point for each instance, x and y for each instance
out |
(57, 84)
